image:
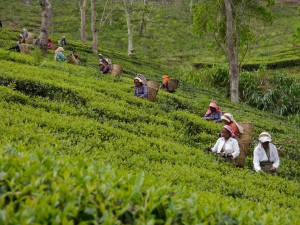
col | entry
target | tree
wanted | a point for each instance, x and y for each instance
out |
(105, 15)
(45, 26)
(143, 21)
(82, 7)
(231, 55)
(229, 23)
(94, 28)
(128, 11)
(27, 2)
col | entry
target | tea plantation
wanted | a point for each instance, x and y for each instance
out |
(76, 147)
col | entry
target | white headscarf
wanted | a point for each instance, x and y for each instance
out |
(265, 137)
(59, 49)
(139, 79)
(229, 118)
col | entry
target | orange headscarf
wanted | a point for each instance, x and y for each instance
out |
(165, 80)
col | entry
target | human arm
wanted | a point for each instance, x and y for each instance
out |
(105, 69)
(144, 92)
(207, 116)
(217, 117)
(276, 162)
(256, 163)
(215, 148)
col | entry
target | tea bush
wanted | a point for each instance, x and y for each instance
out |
(78, 148)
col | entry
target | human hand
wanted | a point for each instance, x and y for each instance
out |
(208, 149)
(229, 155)
(273, 169)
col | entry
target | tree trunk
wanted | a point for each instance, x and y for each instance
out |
(27, 2)
(128, 11)
(94, 29)
(143, 21)
(82, 7)
(233, 65)
(191, 7)
(45, 26)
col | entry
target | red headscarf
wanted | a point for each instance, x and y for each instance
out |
(214, 105)
(227, 127)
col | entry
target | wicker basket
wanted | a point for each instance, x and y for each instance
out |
(244, 143)
(173, 84)
(24, 48)
(152, 87)
(116, 70)
(71, 59)
(30, 38)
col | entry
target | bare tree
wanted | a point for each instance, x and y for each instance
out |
(128, 11)
(93, 27)
(45, 26)
(143, 21)
(27, 2)
(105, 15)
(82, 7)
(191, 7)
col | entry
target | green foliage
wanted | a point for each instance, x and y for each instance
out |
(78, 148)
(278, 92)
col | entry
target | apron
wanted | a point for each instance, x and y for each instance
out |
(266, 166)
(225, 159)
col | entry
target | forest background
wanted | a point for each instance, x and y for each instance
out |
(86, 122)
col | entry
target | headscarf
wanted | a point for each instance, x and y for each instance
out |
(227, 127)
(229, 118)
(59, 49)
(265, 137)
(139, 79)
(214, 105)
(165, 80)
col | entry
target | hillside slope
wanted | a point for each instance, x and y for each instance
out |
(78, 148)
(168, 36)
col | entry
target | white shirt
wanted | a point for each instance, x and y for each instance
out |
(231, 146)
(260, 155)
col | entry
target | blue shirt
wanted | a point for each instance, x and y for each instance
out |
(141, 91)
(214, 116)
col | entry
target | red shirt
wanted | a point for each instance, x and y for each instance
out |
(235, 129)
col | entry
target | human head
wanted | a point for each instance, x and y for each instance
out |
(213, 106)
(100, 56)
(138, 82)
(227, 132)
(60, 49)
(265, 137)
(227, 118)
(63, 37)
(49, 39)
